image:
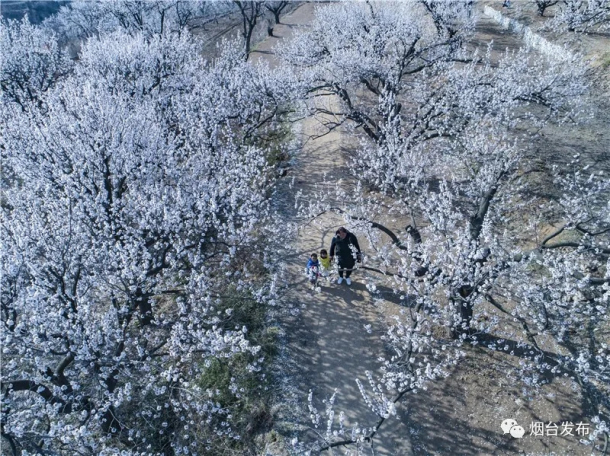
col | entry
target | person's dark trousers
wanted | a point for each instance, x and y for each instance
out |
(348, 269)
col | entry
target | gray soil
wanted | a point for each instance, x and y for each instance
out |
(326, 347)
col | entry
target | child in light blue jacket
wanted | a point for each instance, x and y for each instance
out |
(313, 269)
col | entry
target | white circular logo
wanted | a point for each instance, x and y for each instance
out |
(517, 431)
(510, 426)
(507, 424)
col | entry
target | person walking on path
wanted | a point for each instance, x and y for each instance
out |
(345, 246)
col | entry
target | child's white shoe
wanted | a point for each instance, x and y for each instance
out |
(340, 280)
(348, 281)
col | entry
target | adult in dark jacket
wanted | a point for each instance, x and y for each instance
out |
(345, 246)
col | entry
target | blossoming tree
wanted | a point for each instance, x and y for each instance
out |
(136, 203)
(447, 136)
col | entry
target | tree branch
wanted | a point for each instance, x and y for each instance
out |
(11, 441)
(396, 241)
(552, 235)
(59, 371)
(576, 245)
(38, 388)
(476, 221)
(370, 435)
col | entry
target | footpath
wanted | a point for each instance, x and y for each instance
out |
(326, 347)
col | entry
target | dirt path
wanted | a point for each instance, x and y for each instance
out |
(326, 346)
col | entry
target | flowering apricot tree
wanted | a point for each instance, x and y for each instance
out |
(32, 62)
(582, 16)
(84, 19)
(445, 145)
(136, 203)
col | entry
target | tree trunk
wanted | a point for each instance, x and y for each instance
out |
(144, 307)
(465, 312)
(248, 39)
(250, 12)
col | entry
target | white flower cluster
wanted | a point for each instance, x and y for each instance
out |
(131, 178)
(447, 142)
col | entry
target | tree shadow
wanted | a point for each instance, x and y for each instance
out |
(489, 342)
(463, 413)
(256, 51)
(388, 295)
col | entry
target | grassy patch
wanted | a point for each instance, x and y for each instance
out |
(275, 144)
(244, 392)
(605, 61)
